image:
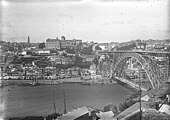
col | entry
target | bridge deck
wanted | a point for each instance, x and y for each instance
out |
(136, 51)
(130, 83)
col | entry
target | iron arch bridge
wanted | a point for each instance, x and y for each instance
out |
(155, 76)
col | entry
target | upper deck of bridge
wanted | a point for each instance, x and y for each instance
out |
(135, 51)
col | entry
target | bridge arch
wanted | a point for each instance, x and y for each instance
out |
(151, 68)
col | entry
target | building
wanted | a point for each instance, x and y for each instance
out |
(87, 58)
(41, 51)
(82, 113)
(105, 115)
(103, 46)
(69, 43)
(63, 43)
(140, 45)
(37, 52)
(61, 59)
(52, 43)
(112, 45)
(77, 41)
(159, 46)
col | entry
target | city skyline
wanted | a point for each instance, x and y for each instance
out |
(89, 20)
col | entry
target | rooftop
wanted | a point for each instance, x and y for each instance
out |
(74, 114)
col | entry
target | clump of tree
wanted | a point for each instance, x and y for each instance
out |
(87, 50)
(64, 66)
(111, 107)
(77, 60)
(69, 50)
(16, 60)
(98, 48)
(41, 45)
(54, 52)
(96, 60)
(149, 114)
(42, 63)
(84, 65)
(129, 101)
(53, 116)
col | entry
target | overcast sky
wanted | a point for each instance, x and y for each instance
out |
(89, 20)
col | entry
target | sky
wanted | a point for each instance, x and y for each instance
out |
(89, 20)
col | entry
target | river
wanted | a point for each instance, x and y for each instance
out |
(20, 101)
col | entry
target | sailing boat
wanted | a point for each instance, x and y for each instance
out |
(35, 82)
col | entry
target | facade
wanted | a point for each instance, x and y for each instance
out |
(112, 45)
(104, 46)
(70, 43)
(140, 45)
(37, 52)
(159, 46)
(67, 43)
(87, 58)
(42, 51)
(56, 59)
(77, 41)
(61, 60)
(52, 43)
(63, 43)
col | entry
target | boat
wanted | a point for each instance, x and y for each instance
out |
(86, 83)
(25, 84)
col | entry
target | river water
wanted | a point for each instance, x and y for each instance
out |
(20, 101)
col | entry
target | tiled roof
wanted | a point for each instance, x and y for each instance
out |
(74, 114)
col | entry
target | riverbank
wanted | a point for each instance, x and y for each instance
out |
(55, 82)
(152, 105)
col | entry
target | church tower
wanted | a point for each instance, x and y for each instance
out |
(28, 39)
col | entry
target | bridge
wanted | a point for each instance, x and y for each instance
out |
(137, 66)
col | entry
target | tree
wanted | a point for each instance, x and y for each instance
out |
(54, 52)
(128, 102)
(96, 60)
(84, 65)
(78, 48)
(87, 50)
(68, 50)
(42, 63)
(41, 45)
(19, 48)
(11, 48)
(97, 48)
(112, 108)
(78, 60)
(16, 60)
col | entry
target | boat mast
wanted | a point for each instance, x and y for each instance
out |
(1, 78)
(65, 110)
(54, 101)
